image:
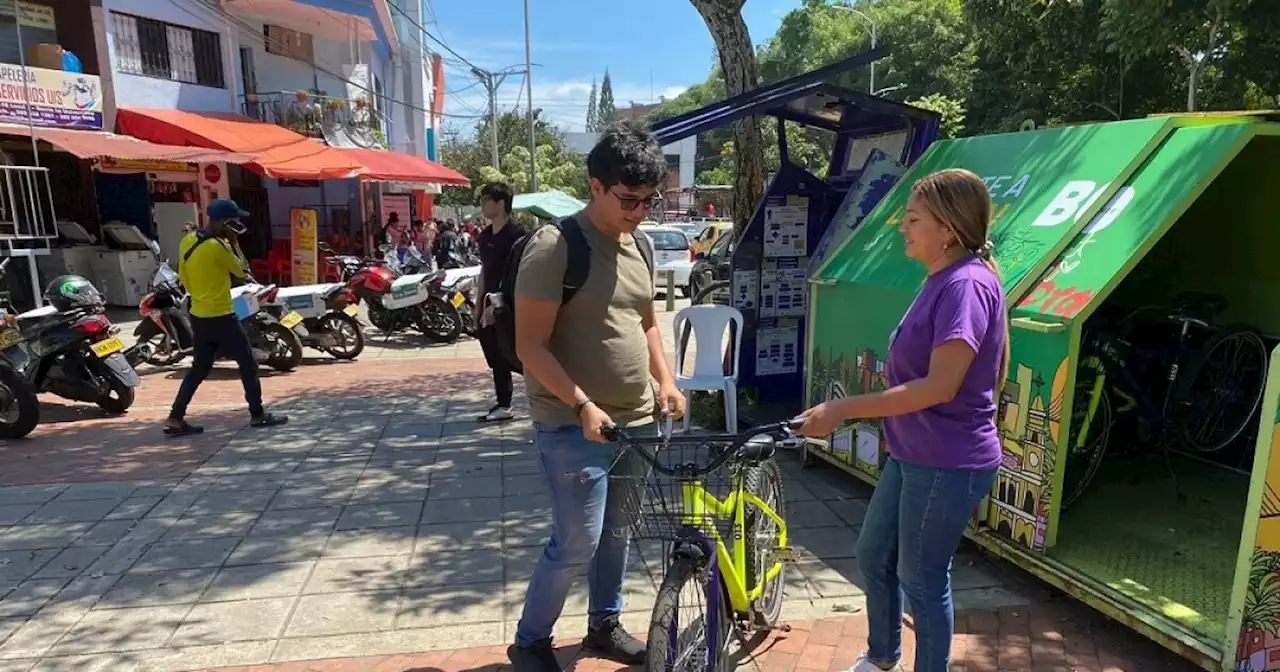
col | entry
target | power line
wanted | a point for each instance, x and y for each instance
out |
(433, 38)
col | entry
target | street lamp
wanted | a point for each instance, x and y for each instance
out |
(870, 22)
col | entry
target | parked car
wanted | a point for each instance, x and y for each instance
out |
(709, 235)
(670, 253)
(690, 229)
(712, 266)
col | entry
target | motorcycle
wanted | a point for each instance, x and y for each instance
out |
(75, 352)
(164, 336)
(328, 314)
(19, 408)
(276, 340)
(462, 282)
(398, 301)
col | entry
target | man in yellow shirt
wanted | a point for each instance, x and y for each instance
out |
(207, 261)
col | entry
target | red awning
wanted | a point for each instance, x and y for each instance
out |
(390, 166)
(278, 152)
(97, 144)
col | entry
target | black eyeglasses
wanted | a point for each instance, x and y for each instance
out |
(630, 203)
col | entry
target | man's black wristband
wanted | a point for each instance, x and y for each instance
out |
(577, 408)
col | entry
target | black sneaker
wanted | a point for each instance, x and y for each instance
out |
(611, 640)
(537, 657)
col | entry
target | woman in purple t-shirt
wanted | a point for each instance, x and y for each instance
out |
(947, 360)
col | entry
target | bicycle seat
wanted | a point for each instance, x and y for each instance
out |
(1198, 306)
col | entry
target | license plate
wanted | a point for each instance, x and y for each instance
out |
(352, 311)
(291, 320)
(107, 347)
(457, 300)
(10, 338)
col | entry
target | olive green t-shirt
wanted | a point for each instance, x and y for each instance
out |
(598, 338)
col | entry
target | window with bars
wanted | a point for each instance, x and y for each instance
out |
(157, 49)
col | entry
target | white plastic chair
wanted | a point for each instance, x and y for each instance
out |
(708, 324)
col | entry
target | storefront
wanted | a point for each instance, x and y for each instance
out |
(1139, 420)
(120, 193)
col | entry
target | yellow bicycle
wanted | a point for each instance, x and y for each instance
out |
(717, 500)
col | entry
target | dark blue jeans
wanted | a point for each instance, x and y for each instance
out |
(908, 539)
(213, 337)
(590, 529)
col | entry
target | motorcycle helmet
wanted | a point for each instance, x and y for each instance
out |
(69, 292)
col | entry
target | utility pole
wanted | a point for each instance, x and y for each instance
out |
(528, 79)
(491, 82)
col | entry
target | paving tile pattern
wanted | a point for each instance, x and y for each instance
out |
(1048, 637)
(381, 521)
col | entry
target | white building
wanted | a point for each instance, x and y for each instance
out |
(335, 70)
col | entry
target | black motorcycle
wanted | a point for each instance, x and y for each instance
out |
(164, 335)
(75, 352)
(19, 408)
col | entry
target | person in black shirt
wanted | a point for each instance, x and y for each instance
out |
(494, 243)
(446, 247)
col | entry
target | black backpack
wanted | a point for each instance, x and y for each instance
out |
(576, 271)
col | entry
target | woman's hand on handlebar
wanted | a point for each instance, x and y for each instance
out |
(817, 422)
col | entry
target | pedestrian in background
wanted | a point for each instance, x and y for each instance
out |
(207, 261)
(495, 242)
(948, 358)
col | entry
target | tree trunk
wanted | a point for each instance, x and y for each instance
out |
(738, 64)
(1193, 83)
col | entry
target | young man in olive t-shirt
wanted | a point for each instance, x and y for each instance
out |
(590, 363)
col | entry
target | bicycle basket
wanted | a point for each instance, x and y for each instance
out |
(674, 507)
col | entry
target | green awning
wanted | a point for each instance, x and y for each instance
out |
(547, 204)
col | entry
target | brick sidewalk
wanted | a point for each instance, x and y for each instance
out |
(1059, 636)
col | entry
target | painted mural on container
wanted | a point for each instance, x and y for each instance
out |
(860, 444)
(1258, 645)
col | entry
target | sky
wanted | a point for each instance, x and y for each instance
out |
(574, 41)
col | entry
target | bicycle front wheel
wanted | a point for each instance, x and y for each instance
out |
(765, 482)
(687, 628)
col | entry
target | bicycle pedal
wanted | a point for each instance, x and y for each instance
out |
(787, 555)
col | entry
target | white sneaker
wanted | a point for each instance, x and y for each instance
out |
(865, 665)
(497, 414)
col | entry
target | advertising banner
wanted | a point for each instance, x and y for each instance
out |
(50, 97)
(303, 223)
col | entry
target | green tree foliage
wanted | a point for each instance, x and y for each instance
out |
(469, 154)
(1200, 33)
(951, 110)
(606, 110)
(593, 110)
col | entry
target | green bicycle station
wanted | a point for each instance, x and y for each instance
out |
(1159, 232)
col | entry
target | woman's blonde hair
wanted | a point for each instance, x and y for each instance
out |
(960, 200)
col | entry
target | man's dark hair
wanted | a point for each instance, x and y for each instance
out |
(498, 191)
(629, 155)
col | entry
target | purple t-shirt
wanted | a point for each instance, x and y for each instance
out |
(964, 301)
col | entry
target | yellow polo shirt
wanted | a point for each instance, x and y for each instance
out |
(207, 275)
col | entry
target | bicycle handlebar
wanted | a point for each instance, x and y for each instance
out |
(737, 443)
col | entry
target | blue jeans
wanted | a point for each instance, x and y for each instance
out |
(589, 530)
(908, 539)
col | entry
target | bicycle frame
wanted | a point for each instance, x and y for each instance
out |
(731, 560)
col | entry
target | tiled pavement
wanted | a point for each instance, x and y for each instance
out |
(1047, 637)
(381, 521)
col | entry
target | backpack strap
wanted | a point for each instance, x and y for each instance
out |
(201, 237)
(579, 264)
(646, 249)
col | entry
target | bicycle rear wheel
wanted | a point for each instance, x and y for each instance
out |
(1222, 389)
(1084, 457)
(684, 630)
(765, 482)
